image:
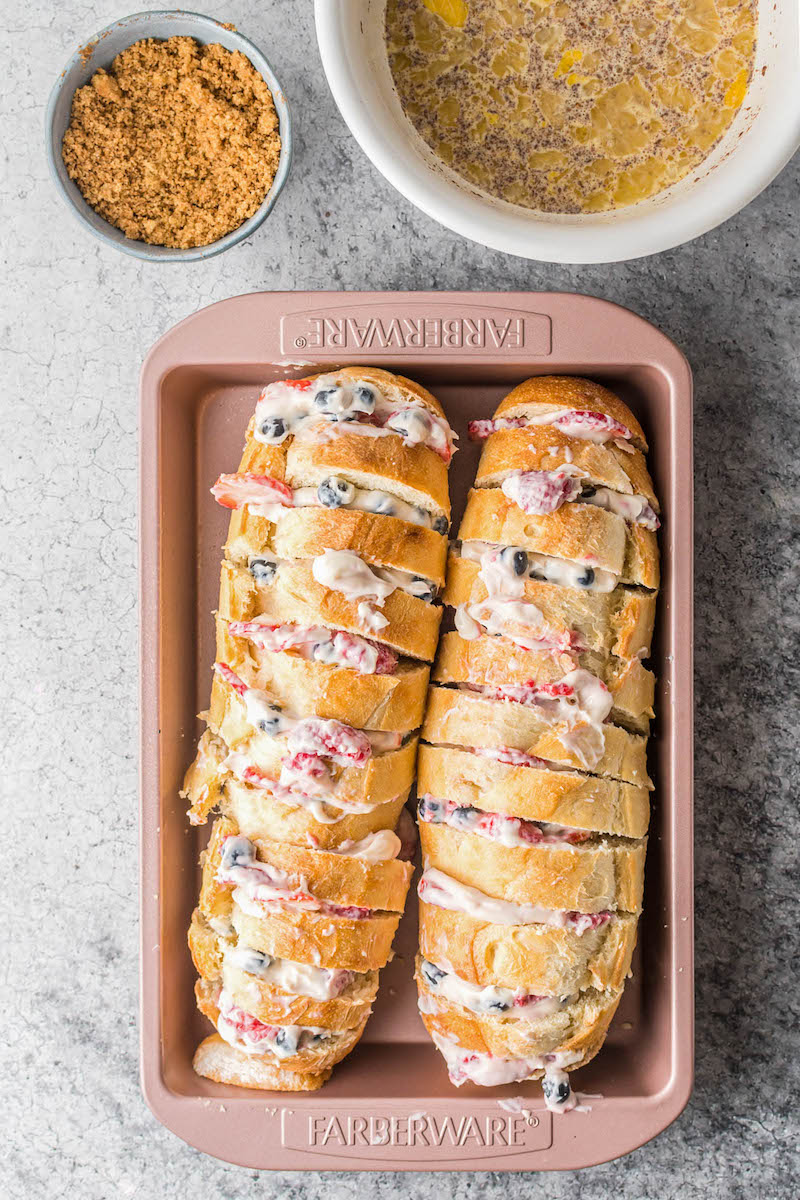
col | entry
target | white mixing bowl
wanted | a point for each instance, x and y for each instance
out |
(761, 140)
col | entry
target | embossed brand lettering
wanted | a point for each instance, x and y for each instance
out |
(361, 328)
(419, 1129)
(326, 333)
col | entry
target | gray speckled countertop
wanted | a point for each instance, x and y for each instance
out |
(77, 321)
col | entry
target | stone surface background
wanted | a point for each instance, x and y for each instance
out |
(77, 320)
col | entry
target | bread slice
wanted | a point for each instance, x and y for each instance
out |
(215, 1059)
(545, 448)
(590, 877)
(576, 1026)
(618, 622)
(267, 1002)
(568, 798)
(384, 775)
(322, 939)
(458, 718)
(340, 879)
(295, 596)
(312, 1059)
(318, 938)
(304, 533)
(388, 702)
(416, 461)
(581, 533)
(496, 662)
(209, 784)
(463, 1058)
(545, 960)
(255, 810)
(373, 464)
(544, 394)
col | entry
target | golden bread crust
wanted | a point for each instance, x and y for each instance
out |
(208, 785)
(254, 810)
(458, 718)
(313, 1059)
(383, 702)
(305, 533)
(413, 473)
(581, 533)
(494, 662)
(543, 393)
(376, 782)
(579, 1027)
(339, 878)
(619, 622)
(545, 960)
(296, 597)
(568, 798)
(214, 1059)
(271, 1004)
(588, 878)
(319, 939)
(544, 448)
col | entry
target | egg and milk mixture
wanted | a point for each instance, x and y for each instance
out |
(571, 106)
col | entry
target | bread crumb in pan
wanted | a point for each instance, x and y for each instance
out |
(176, 144)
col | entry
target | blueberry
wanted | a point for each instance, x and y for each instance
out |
(285, 1042)
(334, 492)
(271, 725)
(498, 1006)
(516, 559)
(323, 397)
(429, 809)
(441, 525)
(273, 429)
(365, 398)
(588, 491)
(254, 961)
(586, 579)
(556, 1090)
(431, 974)
(425, 592)
(464, 814)
(263, 570)
(237, 852)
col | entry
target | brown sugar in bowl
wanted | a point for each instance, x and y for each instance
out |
(98, 54)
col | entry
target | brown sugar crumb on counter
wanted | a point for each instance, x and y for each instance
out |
(176, 144)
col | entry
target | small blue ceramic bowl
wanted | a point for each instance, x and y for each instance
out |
(99, 52)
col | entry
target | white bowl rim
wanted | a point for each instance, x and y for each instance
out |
(115, 237)
(570, 240)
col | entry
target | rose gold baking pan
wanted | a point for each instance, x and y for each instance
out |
(390, 1106)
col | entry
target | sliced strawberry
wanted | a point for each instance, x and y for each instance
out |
(330, 739)
(351, 911)
(257, 778)
(310, 765)
(356, 652)
(579, 420)
(554, 689)
(524, 1001)
(230, 677)
(246, 488)
(506, 754)
(479, 430)
(541, 492)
